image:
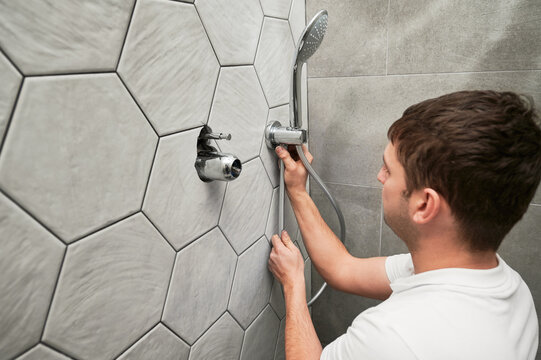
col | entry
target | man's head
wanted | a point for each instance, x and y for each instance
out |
(479, 150)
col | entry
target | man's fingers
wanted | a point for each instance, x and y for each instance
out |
(286, 157)
(286, 240)
(276, 242)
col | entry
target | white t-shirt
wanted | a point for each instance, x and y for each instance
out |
(444, 314)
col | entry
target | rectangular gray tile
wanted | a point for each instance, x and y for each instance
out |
(356, 38)
(427, 36)
(350, 116)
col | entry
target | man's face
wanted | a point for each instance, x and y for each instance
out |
(395, 203)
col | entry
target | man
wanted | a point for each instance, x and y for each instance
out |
(458, 173)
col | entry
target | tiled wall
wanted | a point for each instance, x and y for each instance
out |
(379, 57)
(110, 244)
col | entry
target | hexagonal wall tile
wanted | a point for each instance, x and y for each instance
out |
(30, 260)
(246, 206)
(111, 290)
(280, 352)
(169, 66)
(200, 285)
(10, 79)
(260, 339)
(276, 8)
(222, 341)
(158, 343)
(239, 108)
(42, 352)
(252, 284)
(268, 156)
(233, 28)
(297, 19)
(68, 134)
(44, 37)
(181, 205)
(274, 59)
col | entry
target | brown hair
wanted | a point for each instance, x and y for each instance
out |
(481, 150)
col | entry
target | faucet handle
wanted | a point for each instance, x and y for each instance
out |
(211, 136)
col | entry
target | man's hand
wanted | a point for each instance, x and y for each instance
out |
(286, 262)
(295, 173)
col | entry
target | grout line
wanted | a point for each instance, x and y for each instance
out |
(232, 283)
(11, 62)
(137, 340)
(56, 350)
(137, 103)
(206, 33)
(149, 175)
(12, 114)
(169, 286)
(3, 192)
(126, 36)
(213, 96)
(174, 332)
(423, 74)
(387, 37)
(275, 17)
(223, 201)
(55, 289)
(157, 229)
(82, 72)
(176, 132)
(102, 227)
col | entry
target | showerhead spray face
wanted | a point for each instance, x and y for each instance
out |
(309, 42)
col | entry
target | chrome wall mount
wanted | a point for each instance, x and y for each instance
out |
(210, 163)
(276, 134)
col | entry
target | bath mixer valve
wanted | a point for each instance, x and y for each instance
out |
(210, 163)
(276, 134)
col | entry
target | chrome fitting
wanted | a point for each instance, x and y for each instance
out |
(276, 134)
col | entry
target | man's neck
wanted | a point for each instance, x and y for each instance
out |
(426, 258)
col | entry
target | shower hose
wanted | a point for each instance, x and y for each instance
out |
(316, 177)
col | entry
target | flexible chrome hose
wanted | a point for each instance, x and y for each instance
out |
(316, 177)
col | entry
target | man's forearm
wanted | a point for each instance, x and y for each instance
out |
(326, 250)
(301, 341)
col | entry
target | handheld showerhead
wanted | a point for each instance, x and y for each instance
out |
(309, 42)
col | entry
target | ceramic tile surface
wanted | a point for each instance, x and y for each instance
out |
(280, 352)
(10, 80)
(30, 260)
(297, 20)
(42, 352)
(111, 290)
(260, 338)
(44, 37)
(246, 206)
(268, 156)
(274, 59)
(233, 28)
(181, 205)
(277, 299)
(290, 222)
(68, 134)
(252, 284)
(159, 343)
(356, 38)
(169, 66)
(276, 8)
(194, 302)
(240, 109)
(457, 36)
(222, 341)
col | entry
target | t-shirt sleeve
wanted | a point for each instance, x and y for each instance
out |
(369, 337)
(399, 266)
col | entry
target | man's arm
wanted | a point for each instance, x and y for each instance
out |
(287, 264)
(365, 277)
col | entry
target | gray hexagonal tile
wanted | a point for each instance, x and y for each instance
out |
(44, 37)
(260, 339)
(222, 341)
(111, 290)
(181, 205)
(277, 299)
(273, 61)
(290, 222)
(233, 28)
(42, 352)
(196, 300)
(252, 284)
(169, 66)
(239, 108)
(268, 156)
(246, 206)
(276, 8)
(30, 260)
(158, 343)
(297, 19)
(67, 135)
(10, 79)
(280, 352)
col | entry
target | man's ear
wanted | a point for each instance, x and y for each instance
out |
(426, 205)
